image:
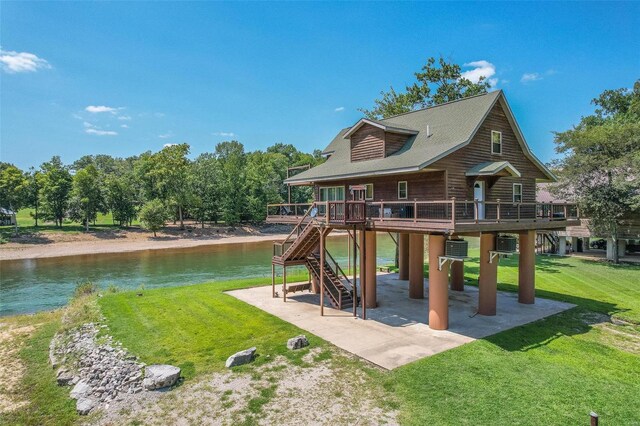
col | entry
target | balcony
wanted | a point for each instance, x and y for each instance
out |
(448, 216)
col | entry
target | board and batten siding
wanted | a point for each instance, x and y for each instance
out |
(422, 186)
(479, 151)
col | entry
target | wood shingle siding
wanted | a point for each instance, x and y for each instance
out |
(479, 151)
(394, 142)
(367, 143)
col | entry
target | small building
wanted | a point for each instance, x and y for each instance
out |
(458, 169)
(7, 217)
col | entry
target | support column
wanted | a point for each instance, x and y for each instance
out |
(403, 256)
(315, 283)
(488, 279)
(574, 244)
(416, 266)
(457, 276)
(363, 272)
(322, 260)
(527, 267)
(438, 285)
(622, 247)
(562, 246)
(610, 248)
(586, 244)
(273, 280)
(370, 264)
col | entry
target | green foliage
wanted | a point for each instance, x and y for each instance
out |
(121, 198)
(87, 197)
(55, 190)
(233, 191)
(601, 159)
(435, 84)
(204, 183)
(153, 215)
(85, 288)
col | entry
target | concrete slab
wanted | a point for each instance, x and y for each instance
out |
(397, 331)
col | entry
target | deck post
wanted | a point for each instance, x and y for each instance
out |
(273, 280)
(363, 272)
(315, 284)
(488, 279)
(527, 267)
(403, 256)
(355, 262)
(438, 285)
(284, 282)
(457, 276)
(416, 266)
(372, 301)
(322, 257)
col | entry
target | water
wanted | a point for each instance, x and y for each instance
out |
(34, 285)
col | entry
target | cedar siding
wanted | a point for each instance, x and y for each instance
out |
(479, 151)
(394, 142)
(367, 143)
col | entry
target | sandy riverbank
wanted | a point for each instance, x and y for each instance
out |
(57, 244)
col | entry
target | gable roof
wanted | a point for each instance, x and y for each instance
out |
(493, 168)
(441, 130)
(381, 125)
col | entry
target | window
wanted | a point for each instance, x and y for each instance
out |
(368, 191)
(517, 192)
(402, 190)
(332, 193)
(496, 142)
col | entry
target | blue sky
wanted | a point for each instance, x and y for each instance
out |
(284, 72)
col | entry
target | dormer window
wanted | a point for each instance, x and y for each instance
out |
(496, 142)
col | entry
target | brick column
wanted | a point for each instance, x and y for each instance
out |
(370, 264)
(488, 279)
(416, 266)
(527, 267)
(403, 256)
(438, 285)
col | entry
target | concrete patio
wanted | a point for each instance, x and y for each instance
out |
(397, 331)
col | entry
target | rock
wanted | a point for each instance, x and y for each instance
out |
(160, 376)
(64, 377)
(80, 390)
(240, 358)
(297, 342)
(84, 406)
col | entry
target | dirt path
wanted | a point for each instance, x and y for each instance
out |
(11, 368)
(52, 244)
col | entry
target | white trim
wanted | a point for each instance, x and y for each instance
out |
(406, 190)
(508, 166)
(513, 192)
(344, 192)
(391, 129)
(500, 133)
(365, 191)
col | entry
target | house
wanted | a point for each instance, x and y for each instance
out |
(7, 217)
(457, 169)
(579, 236)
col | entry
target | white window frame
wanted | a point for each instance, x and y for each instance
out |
(367, 185)
(327, 188)
(514, 192)
(406, 190)
(499, 133)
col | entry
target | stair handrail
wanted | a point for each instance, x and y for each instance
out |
(295, 228)
(328, 283)
(339, 270)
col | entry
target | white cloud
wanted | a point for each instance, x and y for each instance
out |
(124, 126)
(529, 77)
(124, 117)
(88, 125)
(14, 62)
(94, 109)
(225, 134)
(339, 109)
(480, 69)
(166, 135)
(93, 131)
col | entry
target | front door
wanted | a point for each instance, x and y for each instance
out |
(478, 195)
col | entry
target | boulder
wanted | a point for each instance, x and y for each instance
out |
(84, 406)
(80, 390)
(64, 377)
(160, 376)
(242, 357)
(297, 342)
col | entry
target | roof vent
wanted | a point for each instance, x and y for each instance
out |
(428, 131)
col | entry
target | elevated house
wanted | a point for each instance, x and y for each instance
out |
(457, 169)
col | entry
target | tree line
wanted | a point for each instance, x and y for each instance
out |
(229, 185)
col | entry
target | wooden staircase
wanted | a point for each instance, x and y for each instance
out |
(338, 291)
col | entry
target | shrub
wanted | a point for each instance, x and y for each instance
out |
(153, 215)
(112, 288)
(84, 289)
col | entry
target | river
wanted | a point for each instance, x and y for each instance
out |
(33, 285)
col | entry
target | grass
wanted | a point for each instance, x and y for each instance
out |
(552, 371)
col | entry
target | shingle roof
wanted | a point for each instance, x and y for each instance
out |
(450, 126)
(492, 168)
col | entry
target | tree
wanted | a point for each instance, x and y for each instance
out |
(436, 84)
(600, 163)
(265, 173)
(233, 197)
(32, 192)
(204, 182)
(87, 193)
(12, 189)
(121, 198)
(153, 216)
(55, 190)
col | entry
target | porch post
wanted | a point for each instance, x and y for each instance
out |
(372, 301)
(363, 272)
(315, 284)
(284, 283)
(527, 267)
(355, 262)
(416, 266)
(273, 280)
(562, 246)
(438, 285)
(488, 279)
(322, 255)
(403, 256)
(457, 276)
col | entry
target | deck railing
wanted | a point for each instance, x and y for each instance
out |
(449, 212)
